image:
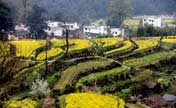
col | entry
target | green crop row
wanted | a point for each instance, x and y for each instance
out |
(74, 71)
(150, 59)
(102, 75)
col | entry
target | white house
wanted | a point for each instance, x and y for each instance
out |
(57, 28)
(55, 31)
(72, 26)
(21, 27)
(95, 30)
(21, 31)
(156, 22)
(117, 32)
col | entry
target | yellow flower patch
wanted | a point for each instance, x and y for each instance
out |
(109, 41)
(50, 53)
(27, 48)
(170, 39)
(26, 103)
(145, 44)
(92, 100)
(127, 45)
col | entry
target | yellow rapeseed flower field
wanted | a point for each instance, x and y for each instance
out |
(80, 44)
(26, 48)
(58, 42)
(92, 100)
(50, 53)
(170, 39)
(109, 41)
(145, 44)
(26, 103)
(127, 45)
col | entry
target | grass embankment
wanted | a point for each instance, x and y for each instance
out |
(102, 76)
(72, 72)
(150, 59)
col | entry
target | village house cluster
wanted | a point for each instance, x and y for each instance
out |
(57, 29)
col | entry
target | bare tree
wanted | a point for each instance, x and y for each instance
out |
(66, 39)
(60, 17)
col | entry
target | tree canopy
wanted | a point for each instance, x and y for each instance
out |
(118, 11)
(37, 22)
(6, 21)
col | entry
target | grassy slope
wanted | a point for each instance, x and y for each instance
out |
(69, 74)
(150, 59)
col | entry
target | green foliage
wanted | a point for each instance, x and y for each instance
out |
(150, 59)
(53, 78)
(149, 30)
(23, 94)
(165, 80)
(142, 76)
(38, 25)
(97, 47)
(125, 93)
(69, 75)
(118, 11)
(101, 76)
(5, 17)
(167, 46)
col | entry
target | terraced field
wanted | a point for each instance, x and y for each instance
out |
(145, 45)
(127, 46)
(27, 48)
(127, 74)
(108, 42)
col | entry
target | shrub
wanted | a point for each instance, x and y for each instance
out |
(40, 88)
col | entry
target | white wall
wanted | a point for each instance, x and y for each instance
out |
(57, 28)
(72, 26)
(95, 30)
(117, 31)
(156, 22)
(57, 31)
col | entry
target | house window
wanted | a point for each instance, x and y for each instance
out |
(85, 28)
(71, 26)
(115, 32)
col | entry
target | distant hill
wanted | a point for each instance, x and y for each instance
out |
(97, 8)
(153, 7)
(83, 10)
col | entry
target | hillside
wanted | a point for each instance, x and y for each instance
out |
(125, 72)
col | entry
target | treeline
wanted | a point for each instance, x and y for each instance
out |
(149, 30)
(153, 7)
(87, 10)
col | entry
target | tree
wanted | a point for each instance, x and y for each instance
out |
(6, 20)
(97, 47)
(118, 11)
(37, 22)
(62, 18)
(8, 61)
